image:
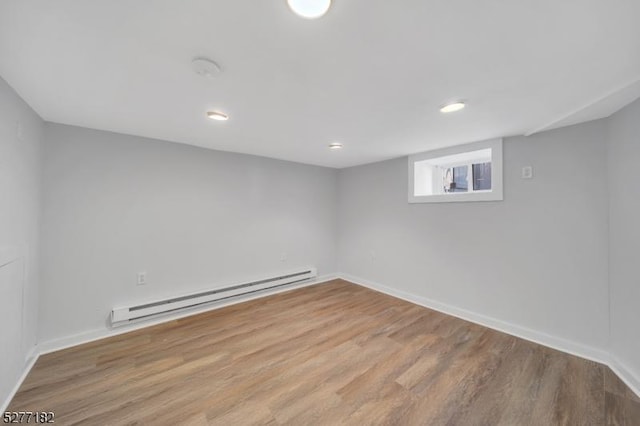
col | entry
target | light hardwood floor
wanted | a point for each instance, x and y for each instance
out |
(333, 353)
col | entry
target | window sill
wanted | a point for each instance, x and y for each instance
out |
(456, 197)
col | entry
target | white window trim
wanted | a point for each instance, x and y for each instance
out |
(496, 174)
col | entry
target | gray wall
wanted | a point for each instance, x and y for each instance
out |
(191, 218)
(20, 183)
(537, 260)
(624, 211)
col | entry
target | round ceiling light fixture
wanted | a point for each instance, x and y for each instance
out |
(205, 67)
(309, 9)
(217, 115)
(335, 145)
(452, 107)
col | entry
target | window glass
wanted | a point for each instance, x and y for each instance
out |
(482, 177)
(456, 179)
(471, 172)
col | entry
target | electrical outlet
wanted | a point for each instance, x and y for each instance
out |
(527, 172)
(283, 257)
(142, 278)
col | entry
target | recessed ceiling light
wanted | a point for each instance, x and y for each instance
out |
(453, 107)
(310, 9)
(335, 145)
(215, 115)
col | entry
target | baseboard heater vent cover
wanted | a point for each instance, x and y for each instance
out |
(124, 315)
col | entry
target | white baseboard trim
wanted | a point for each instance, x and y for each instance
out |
(544, 339)
(93, 335)
(101, 333)
(30, 361)
(554, 342)
(626, 374)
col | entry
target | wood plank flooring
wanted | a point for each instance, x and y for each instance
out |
(333, 353)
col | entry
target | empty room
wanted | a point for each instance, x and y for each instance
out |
(320, 212)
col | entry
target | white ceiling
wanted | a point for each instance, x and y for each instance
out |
(370, 74)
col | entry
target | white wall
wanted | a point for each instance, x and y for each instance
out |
(20, 183)
(624, 211)
(536, 261)
(191, 218)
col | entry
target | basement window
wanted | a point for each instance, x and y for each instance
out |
(471, 172)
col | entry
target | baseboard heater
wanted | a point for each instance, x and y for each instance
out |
(124, 315)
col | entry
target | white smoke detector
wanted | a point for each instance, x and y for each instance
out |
(206, 67)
